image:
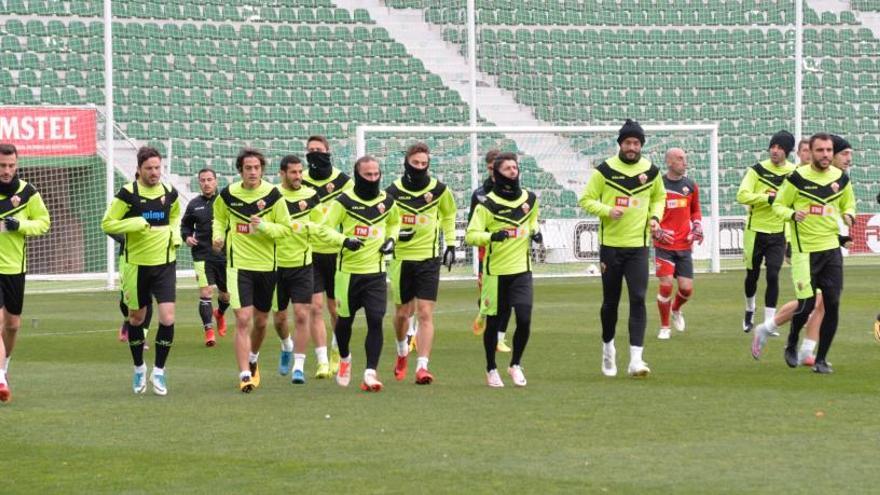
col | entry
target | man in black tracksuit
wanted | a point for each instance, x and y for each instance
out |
(210, 266)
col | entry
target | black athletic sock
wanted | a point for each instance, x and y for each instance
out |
(799, 319)
(206, 312)
(222, 306)
(343, 334)
(136, 343)
(374, 340)
(164, 339)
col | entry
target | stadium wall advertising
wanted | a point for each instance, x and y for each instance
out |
(42, 131)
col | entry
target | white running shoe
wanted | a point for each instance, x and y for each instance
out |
(159, 385)
(759, 340)
(609, 362)
(139, 382)
(516, 373)
(678, 321)
(638, 369)
(493, 379)
(664, 334)
(343, 375)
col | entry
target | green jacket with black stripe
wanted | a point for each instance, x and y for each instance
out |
(637, 188)
(295, 250)
(826, 197)
(28, 208)
(149, 217)
(371, 221)
(425, 213)
(758, 190)
(328, 189)
(519, 218)
(250, 248)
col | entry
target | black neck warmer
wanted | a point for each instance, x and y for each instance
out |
(9, 188)
(415, 179)
(367, 190)
(506, 188)
(319, 165)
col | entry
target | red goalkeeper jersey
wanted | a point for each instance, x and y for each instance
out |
(682, 210)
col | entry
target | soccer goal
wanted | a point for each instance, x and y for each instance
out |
(556, 163)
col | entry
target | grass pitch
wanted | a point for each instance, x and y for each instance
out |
(708, 420)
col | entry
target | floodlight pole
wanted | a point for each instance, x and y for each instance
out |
(108, 128)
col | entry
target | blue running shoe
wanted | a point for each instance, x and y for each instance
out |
(284, 364)
(299, 377)
(139, 382)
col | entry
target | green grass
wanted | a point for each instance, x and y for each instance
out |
(708, 420)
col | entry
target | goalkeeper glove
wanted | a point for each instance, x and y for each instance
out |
(449, 257)
(844, 239)
(352, 243)
(663, 236)
(697, 232)
(499, 236)
(387, 246)
(12, 223)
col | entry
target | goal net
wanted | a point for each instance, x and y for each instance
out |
(555, 163)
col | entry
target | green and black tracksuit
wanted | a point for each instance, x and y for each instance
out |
(636, 188)
(324, 254)
(23, 206)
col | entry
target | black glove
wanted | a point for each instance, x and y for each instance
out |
(843, 239)
(352, 243)
(499, 236)
(788, 250)
(405, 235)
(771, 198)
(449, 257)
(387, 247)
(537, 237)
(12, 223)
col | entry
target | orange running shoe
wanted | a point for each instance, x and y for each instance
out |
(400, 368)
(210, 341)
(5, 393)
(221, 322)
(343, 376)
(424, 377)
(371, 382)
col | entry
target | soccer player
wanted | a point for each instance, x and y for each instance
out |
(147, 213)
(210, 266)
(681, 226)
(815, 198)
(364, 223)
(22, 214)
(426, 207)
(478, 197)
(295, 272)
(506, 222)
(627, 194)
(764, 236)
(249, 216)
(329, 182)
(803, 152)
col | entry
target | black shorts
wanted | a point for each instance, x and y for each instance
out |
(414, 279)
(767, 247)
(502, 292)
(12, 293)
(675, 263)
(324, 274)
(294, 284)
(356, 291)
(211, 273)
(141, 283)
(251, 288)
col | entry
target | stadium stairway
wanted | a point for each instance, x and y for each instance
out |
(425, 42)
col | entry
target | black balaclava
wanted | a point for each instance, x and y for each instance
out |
(319, 165)
(9, 188)
(365, 189)
(415, 179)
(506, 188)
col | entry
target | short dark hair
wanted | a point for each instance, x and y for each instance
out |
(8, 149)
(145, 153)
(320, 139)
(503, 157)
(802, 142)
(207, 170)
(491, 154)
(820, 136)
(289, 160)
(417, 148)
(247, 153)
(364, 159)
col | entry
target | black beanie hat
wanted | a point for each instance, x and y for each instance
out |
(840, 144)
(784, 139)
(631, 128)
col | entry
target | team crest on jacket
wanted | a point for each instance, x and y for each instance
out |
(381, 207)
(835, 186)
(15, 200)
(261, 204)
(643, 178)
(329, 187)
(302, 205)
(685, 190)
(428, 197)
(525, 208)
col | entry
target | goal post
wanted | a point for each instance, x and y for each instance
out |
(556, 162)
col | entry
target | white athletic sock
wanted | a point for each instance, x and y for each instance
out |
(244, 374)
(500, 336)
(750, 304)
(321, 354)
(287, 344)
(299, 361)
(770, 324)
(413, 327)
(3, 376)
(769, 313)
(158, 371)
(368, 372)
(421, 363)
(402, 348)
(141, 369)
(635, 353)
(253, 356)
(333, 342)
(608, 347)
(807, 346)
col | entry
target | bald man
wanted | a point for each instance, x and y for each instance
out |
(681, 226)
